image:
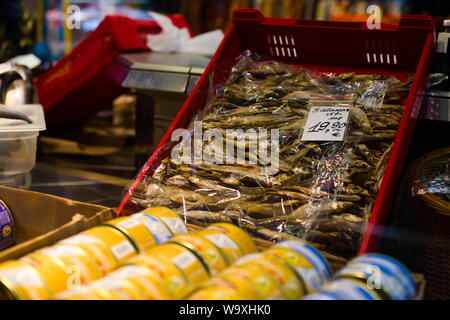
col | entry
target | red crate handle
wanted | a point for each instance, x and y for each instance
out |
(249, 15)
(419, 22)
(331, 24)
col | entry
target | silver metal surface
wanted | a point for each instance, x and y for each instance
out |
(197, 71)
(192, 82)
(155, 80)
(436, 108)
(438, 93)
(15, 84)
(177, 72)
(6, 67)
(17, 93)
(168, 60)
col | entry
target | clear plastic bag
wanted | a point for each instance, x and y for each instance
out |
(242, 159)
(430, 175)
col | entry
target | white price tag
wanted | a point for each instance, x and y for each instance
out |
(326, 124)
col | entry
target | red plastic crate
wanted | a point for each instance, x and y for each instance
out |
(87, 79)
(326, 46)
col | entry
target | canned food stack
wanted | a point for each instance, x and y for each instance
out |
(87, 256)
(292, 270)
(6, 226)
(172, 270)
(151, 256)
(288, 270)
(369, 277)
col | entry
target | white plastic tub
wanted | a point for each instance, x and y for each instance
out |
(18, 142)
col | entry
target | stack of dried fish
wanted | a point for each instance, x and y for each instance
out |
(323, 191)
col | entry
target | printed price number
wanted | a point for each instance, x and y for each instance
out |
(326, 124)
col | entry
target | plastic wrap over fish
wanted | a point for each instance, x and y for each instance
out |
(242, 159)
(430, 174)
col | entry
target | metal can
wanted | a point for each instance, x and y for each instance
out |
(150, 284)
(223, 241)
(323, 296)
(135, 229)
(214, 257)
(321, 271)
(172, 220)
(97, 249)
(396, 268)
(216, 293)
(119, 289)
(309, 275)
(174, 279)
(245, 289)
(117, 242)
(6, 226)
(74, 261)
(52, 271)
(91, 293)
(83, 293)
(387, 276)
(239, 236)
(188, 261)
(159, 230)
(350, 289)
(266, 286)
(286, 277)
(109, 294)
(20, 281)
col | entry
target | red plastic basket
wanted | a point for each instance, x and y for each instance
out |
(326, 46)
(87, 79)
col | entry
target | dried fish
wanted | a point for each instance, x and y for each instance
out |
(201, 215)
(323, 191)
(306, 211)
(359, 117)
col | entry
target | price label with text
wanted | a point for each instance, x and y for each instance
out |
(326, 124)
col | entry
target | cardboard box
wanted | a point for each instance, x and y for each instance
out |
(41, 219)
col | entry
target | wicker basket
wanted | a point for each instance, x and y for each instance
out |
(434, 252)
(438, 160)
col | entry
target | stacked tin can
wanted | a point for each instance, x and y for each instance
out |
(369, 277)
(171, 270)
(151, 256)
(88, 256)
(288, 270)
(6, 226)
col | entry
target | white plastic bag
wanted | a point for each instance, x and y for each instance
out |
(172, 39)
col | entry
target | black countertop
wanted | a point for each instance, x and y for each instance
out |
(76, 184)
